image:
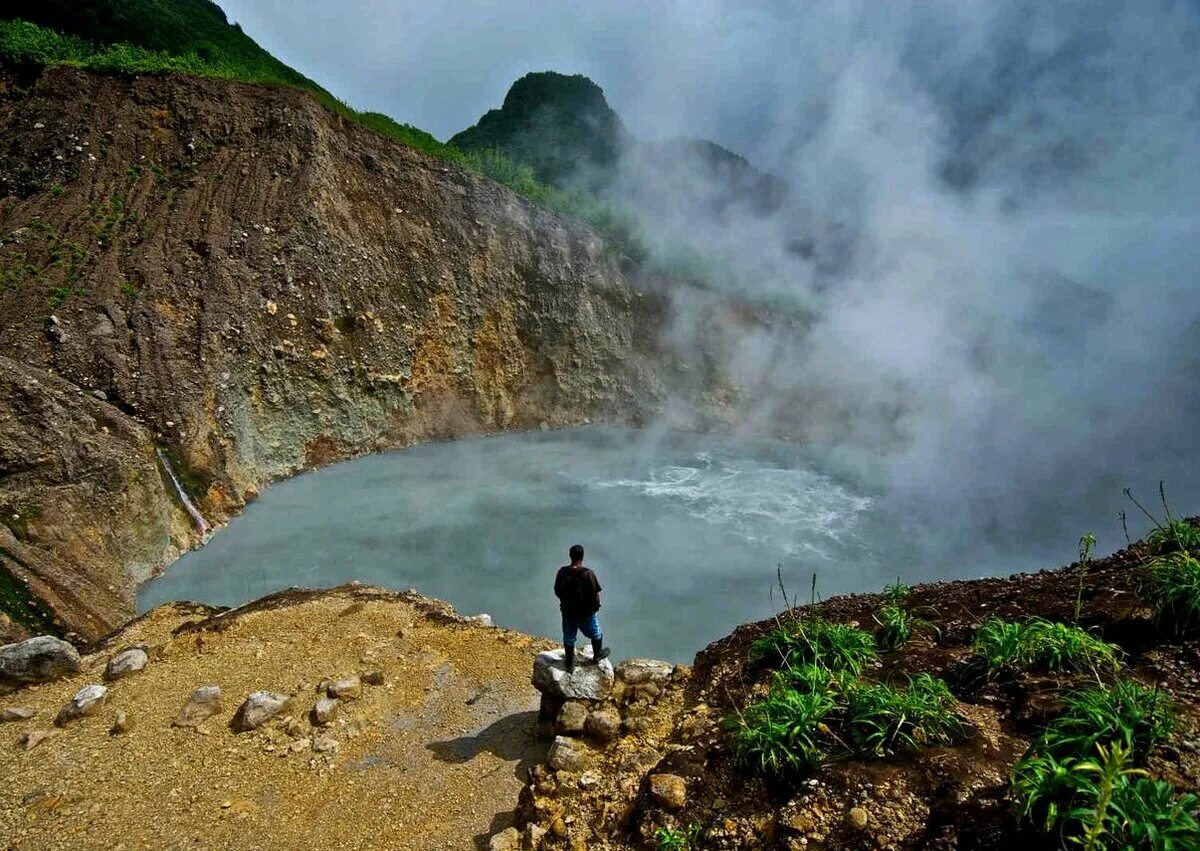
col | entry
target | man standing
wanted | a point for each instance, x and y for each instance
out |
(578, 593)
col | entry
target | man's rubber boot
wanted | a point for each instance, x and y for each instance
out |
(599, 651)
(570, 659)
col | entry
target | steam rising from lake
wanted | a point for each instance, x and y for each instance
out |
(686, 533)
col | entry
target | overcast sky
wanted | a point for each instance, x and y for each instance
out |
(440, 66)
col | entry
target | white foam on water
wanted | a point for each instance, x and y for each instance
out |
(798, 511)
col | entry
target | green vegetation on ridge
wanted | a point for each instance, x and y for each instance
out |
(194, 37)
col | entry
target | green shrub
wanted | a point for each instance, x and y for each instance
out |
(1042, 644)
(1151, 814)
(677, 838)
(833, 646)
(894, 626)
(1136, 716)
(1176, 535)
(782, 735)
(881, 720)
(1171, 584)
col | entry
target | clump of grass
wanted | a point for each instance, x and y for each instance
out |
(1076, 778)
(783, 735)
(1171, 584)
(1042, 644)
(677, 838)
(895, 626)
(1175, 535)
(1135, 716)
(881, 720)
(833, 646)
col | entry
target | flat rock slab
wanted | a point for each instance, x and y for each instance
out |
(586, 682)
(638, 671)
(17, 713)
(203, 703)
(36, 660)
(87, 701)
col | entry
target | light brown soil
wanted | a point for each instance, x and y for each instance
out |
(434, 758)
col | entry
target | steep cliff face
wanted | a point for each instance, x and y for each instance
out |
(236, 275)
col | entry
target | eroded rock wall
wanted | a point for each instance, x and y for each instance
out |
(241, 277)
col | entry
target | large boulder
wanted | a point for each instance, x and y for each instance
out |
(87, 701)
(259, 708)
(203, 703)
(36, 660)
(586, 682)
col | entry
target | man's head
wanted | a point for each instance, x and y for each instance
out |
(576, 554)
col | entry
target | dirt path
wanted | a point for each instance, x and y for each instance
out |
(433, 758)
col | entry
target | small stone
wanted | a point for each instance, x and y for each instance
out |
(272, 308)
(325, 711)
(571, 717)
(508, 839)
(348, 689)
(669, 790)
(87, 701)
(32, 739)
(125, 663)
(203, 703)
(604, 725)
(17, 713)
(300, 745)
(532, 837)
(36, 660)
(481, 620)
(857, 818)
(567, 755)
(294, 728)
(259, 708)
(373, 678)
(802, 822)
(325, 744)
(120, 723)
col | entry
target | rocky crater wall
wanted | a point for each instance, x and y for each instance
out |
(242, 278)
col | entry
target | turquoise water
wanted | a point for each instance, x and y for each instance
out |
(685, 532)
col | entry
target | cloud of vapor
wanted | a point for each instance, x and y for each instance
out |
(991, 243)
(1002, 279)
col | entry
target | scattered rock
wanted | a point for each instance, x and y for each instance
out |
(637, 671)
(87, 701)
(587, 682)
(532, 837)
(567, 755)
(203, 703)
(604, 725)
(36, 660)
(508, 839)
(259, 708)
(348, 689)
(324, 711)
(17, 713)
(571, 718)
(325, 744)
(668, 790)
(125, 663)
(857, 818)
(481, 620)
(32, 739)
(373, 678)
(120, 723)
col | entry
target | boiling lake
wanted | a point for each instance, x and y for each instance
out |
(685, 532)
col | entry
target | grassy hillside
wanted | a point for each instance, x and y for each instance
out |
(194, 37)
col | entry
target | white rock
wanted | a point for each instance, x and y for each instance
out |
(87, 701)
(325, 710)
(32, 739)
(638, 671)
(125, 663)
(259, 708)
(587, 682)
(203, 703)
(348, 689)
